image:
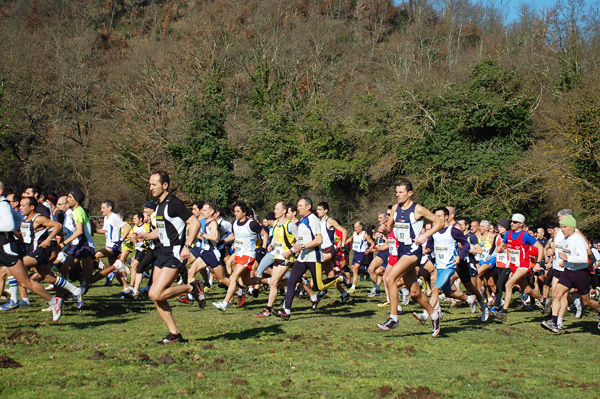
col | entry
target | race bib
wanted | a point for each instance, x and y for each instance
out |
(514, 257)
(162, 233)
(26, 232)
(403, 235)
(356, 246)
(441, 253)
(238, 247)
(501, 257)
(277, 249)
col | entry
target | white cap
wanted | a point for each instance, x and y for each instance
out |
(517, 217)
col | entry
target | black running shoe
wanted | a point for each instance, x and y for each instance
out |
(171, 339)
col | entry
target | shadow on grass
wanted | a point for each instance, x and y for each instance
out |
(249, 333)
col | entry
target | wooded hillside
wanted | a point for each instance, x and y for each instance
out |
(266, 100)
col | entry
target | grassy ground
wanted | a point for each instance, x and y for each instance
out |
(106, 350)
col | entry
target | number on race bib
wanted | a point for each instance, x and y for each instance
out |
(514, 256)
(404, 233)
(26, 232)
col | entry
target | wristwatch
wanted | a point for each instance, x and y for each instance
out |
(302, 246)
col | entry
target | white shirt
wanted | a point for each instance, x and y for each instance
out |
(576, 249)
(112, 229)
(308, 228)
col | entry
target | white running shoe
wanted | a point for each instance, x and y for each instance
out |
(57, 309)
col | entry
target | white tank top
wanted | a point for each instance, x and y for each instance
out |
(444, 246)
(245, 239)
(359, 244)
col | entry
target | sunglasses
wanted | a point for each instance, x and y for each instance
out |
(514, 221)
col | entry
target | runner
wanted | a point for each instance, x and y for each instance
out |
(11, 255)
(308, 256)
(407, 224)
(574, 257)
(172, 218)
(517, 242)
(361, 241)
(245, 234)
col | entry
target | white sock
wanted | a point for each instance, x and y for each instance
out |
(13, 289)
(394, 317)
(435, 315)
(287, 311)
(313, 297)
(559, 322)
(26, 300)
(405, 291)
(400, 309)
(353, 287)
(471, 299)
(240, 292)
(52, 302)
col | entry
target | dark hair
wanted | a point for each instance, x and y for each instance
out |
(199, 204)
(467, 220)
(406, 184)
(291, 207)
(243, 207)
(307, 201)
(16, 197)
(140, 215)
(32, 201)
(212, 206)
(270, 215)
(443, 209)
(34, 189)
(109, 204)
(323, 205)
(164, 177)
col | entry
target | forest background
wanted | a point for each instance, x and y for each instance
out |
(264, 100)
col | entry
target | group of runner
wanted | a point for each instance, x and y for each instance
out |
(47, 237)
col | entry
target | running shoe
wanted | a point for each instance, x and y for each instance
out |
(501, 314)
(550, 325)
(539, 304)
(241, 299)
(255, 293)
(388, 324)
(321, 293)
(384, 304)
(485, 314)
(265, 313)
(84, 287)
(120, 266)
(198, 294)
(171, 339)
(184, 298)
(599, 321)
(421, 317)
(578, 308)
(344, 280)
(23, 303)
(221, 305)
(405, 299)
(315, 303)
(78, 295)
(435, 330)
(473, 306)
(10, 305)
(345, 297)
(282, 314)
(351, 290)
(374, 293)
(57, 309)
(399, 310)
(109, 279)
(50, 287)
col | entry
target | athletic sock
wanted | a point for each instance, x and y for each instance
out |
(353, 287)
(555, 319)
(52, 302)
(240, 292)
(287, 311)
(435, 315)
(405, 291)
(13, 289)
(394, 317)
(376, 286)
(63, 283)
(471, 299)
(313, 297)
(26, 300)
(268, 308)
(559, 322)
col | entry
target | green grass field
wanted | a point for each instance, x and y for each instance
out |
(107, 350)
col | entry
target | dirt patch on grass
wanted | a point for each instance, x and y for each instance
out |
(384, 391)
(8, 363)
(418, 393)
(218, 360)
(24, 337)
(208, 346)
(97, 355)
(236, 381)
(166, 359)
(286, 383)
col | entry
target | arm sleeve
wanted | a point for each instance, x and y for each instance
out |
(528, 239)
(255, 227)
(116, 221)
(292, 229)
(579, 255)
(7, 222)
(460, 238)
(177, 208)
(430, 244)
